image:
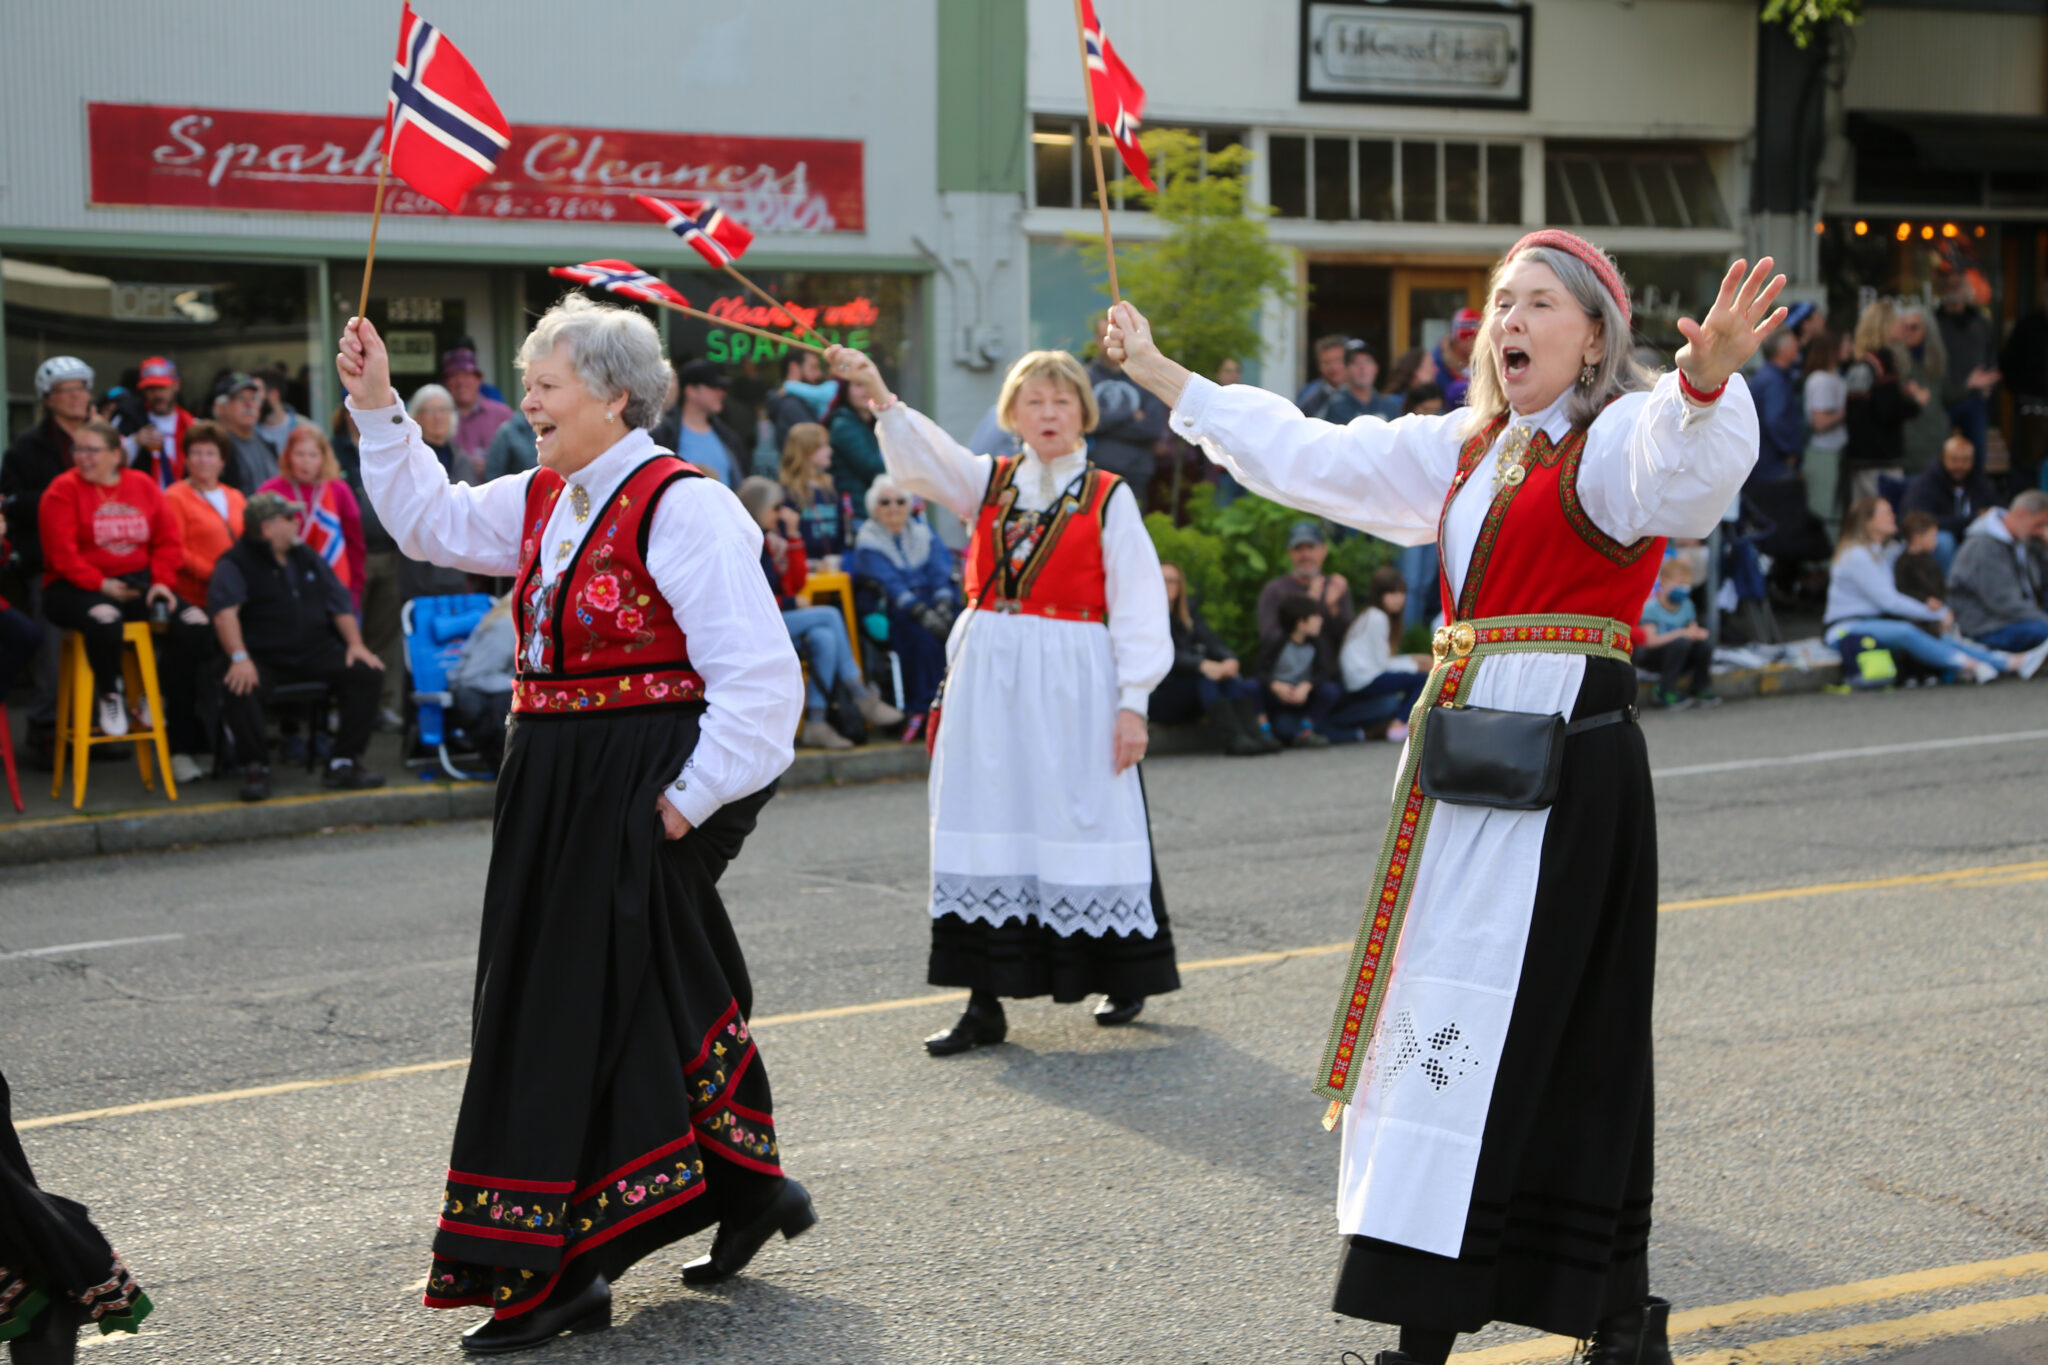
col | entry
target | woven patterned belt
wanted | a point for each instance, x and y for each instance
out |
(1053, 611)
(622, 692)
(1598, 635)
(1458, 648)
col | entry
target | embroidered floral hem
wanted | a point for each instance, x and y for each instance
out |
(115, 1304)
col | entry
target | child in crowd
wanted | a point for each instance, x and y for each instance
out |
(1917, 573)
(1299, 687)
(838, 706)
(1427, 399)
(825, 513)
(1672, 643)
(1378, 681)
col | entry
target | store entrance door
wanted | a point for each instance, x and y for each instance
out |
(423, 313)
(1425, 299)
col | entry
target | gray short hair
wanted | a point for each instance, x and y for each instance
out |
(757, 495)
(881, 484)
(1614, 374)
(2030, 500)
(425, 394)
(615, 352)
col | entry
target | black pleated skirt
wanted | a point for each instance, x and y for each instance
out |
(1557, 1234)
(56, 1268)
(1020, 959)
(615, 1100)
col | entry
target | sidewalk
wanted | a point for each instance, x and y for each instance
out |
(121, 816)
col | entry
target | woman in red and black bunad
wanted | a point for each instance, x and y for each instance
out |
(1490, 1055)
(615, 1100)
(1043, 881)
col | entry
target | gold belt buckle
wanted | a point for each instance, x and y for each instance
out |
(1454, 641)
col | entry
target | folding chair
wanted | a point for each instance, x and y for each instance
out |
(435, 631)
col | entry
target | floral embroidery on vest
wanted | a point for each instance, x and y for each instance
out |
(611, 590)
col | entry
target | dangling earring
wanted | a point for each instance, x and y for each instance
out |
(1587, 374)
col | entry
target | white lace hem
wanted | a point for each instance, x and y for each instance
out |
(1090, 910)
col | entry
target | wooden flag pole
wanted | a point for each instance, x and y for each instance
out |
(1095, 141)
(376, 217)
(772, 301)
(735, 326)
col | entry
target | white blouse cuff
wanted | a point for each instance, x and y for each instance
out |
(1186, 419)
(1133, 699)
(692, 797)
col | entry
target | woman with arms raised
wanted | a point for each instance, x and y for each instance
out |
(1043, 881)
(1492, 1043)
(615, 1102)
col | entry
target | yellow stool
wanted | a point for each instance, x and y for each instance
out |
(75, 702)
(841, 585)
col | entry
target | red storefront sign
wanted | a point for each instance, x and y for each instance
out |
(182, 157)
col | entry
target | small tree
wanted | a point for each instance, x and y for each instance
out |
(1805, 18)
(1202, 284)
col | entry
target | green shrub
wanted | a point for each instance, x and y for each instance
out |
(1229, 553)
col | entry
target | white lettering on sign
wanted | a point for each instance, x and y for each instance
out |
(411, 352)
(189, 303)
(1425, 54)
(414, 310)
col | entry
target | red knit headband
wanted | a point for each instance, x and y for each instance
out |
(1595, 259)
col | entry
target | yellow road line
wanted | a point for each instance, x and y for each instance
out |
(2017, 871)
(1785, 1306)
(1962, 878)
(1815, 1347)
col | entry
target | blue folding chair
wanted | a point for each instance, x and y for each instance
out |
(435, 630)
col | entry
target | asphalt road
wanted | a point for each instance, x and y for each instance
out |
(1851, 1082)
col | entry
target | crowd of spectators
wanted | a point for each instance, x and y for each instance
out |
(246, 528)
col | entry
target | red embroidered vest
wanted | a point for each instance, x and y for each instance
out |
(1538, 552)
(601, 634)
(1041, 563)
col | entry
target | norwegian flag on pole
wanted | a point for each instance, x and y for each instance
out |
(622, 278)
(717, 235)
(443, 128)
(1119, 99)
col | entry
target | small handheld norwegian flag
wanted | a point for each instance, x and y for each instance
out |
(1119, 99)
(625, 279)
(718, 237)
(443, 131)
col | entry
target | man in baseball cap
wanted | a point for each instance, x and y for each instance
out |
(155, 440)
(1454, 357)
(477, 415)
(238, 406)
(283, 617)
(37, 457)
(702, 436)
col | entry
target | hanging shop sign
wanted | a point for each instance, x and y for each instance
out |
(248, 160)
(1469, 55)
(848, 324)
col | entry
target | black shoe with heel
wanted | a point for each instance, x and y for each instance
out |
(983, 1025)
(789, 1213)
(1637, 1337)
(589, 1309)
(1114, 1010)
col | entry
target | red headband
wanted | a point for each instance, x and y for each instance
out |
(1595, 259)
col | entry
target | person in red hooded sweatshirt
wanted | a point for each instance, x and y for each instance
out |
(110, 548)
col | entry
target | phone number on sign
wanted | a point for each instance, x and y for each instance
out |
(566, 207)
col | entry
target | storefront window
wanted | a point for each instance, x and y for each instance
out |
(1662, 289)
(881, 314)
(1905, 261)
(209, 318)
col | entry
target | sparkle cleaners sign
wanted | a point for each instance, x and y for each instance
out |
(171, 156)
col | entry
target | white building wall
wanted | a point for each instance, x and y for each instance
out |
(1942, 61)
(763, 68)
(1599, 68)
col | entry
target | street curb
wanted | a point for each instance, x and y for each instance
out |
(222, 822)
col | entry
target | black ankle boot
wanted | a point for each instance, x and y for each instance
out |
(1228, 728)
(1636, 1337)
(983, 1025)
(1248, 720)
(1114, 1010)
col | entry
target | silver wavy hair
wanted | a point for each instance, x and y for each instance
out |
(1614, 374)
(882, 484)
(425, 394)
(615, 351)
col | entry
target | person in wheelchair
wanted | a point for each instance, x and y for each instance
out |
(916, 598)
(481, 682)
(283, 617)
